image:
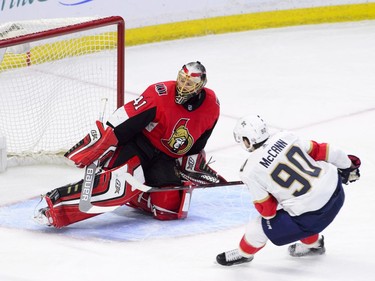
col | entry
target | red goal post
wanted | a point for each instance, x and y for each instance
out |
(54, 74)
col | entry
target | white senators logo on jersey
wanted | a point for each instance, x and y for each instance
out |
(181, 141)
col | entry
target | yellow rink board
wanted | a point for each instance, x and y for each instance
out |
(273, 19)
(193, 28)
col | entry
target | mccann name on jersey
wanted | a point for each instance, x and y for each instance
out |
(274, 150)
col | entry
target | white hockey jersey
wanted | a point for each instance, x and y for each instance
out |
(300, 175)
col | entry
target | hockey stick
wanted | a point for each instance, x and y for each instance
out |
(86, 206)
(193, 186)
(145, 188)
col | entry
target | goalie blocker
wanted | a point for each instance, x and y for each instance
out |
(99, 144)
(111, 188)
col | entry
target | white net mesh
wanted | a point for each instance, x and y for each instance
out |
(51, 89)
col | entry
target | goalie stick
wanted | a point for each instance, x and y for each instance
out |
(86, 206)
(145, 188)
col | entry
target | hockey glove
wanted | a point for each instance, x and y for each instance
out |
(99, 144)
(351, 174)
(195, 169)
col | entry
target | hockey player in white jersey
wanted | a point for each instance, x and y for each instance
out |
(296, 187)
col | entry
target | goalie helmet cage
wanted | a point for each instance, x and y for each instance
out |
(54, 74)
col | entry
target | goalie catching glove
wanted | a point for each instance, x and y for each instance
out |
(351, 174)
(99, 144)
(195, 169)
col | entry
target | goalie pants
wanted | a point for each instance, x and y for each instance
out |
(159, 169)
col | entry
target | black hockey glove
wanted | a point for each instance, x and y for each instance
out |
(351, 174)
(195, 169)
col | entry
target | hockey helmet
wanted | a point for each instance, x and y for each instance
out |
(250, 131)
(190, 81)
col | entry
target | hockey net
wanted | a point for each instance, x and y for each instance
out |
(53, 76)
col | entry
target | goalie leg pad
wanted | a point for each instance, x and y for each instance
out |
(185, 204)
(110, 189)
(168, 205)
(63, 215)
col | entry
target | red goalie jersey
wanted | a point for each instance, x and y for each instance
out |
(174, 129)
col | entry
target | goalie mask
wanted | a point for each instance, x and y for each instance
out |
(250, 131)
(190, 81)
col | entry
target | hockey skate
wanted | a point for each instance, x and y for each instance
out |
(44, 216)
(301, 250)
(232, 257)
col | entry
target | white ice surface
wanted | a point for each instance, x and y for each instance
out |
(316, 80)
